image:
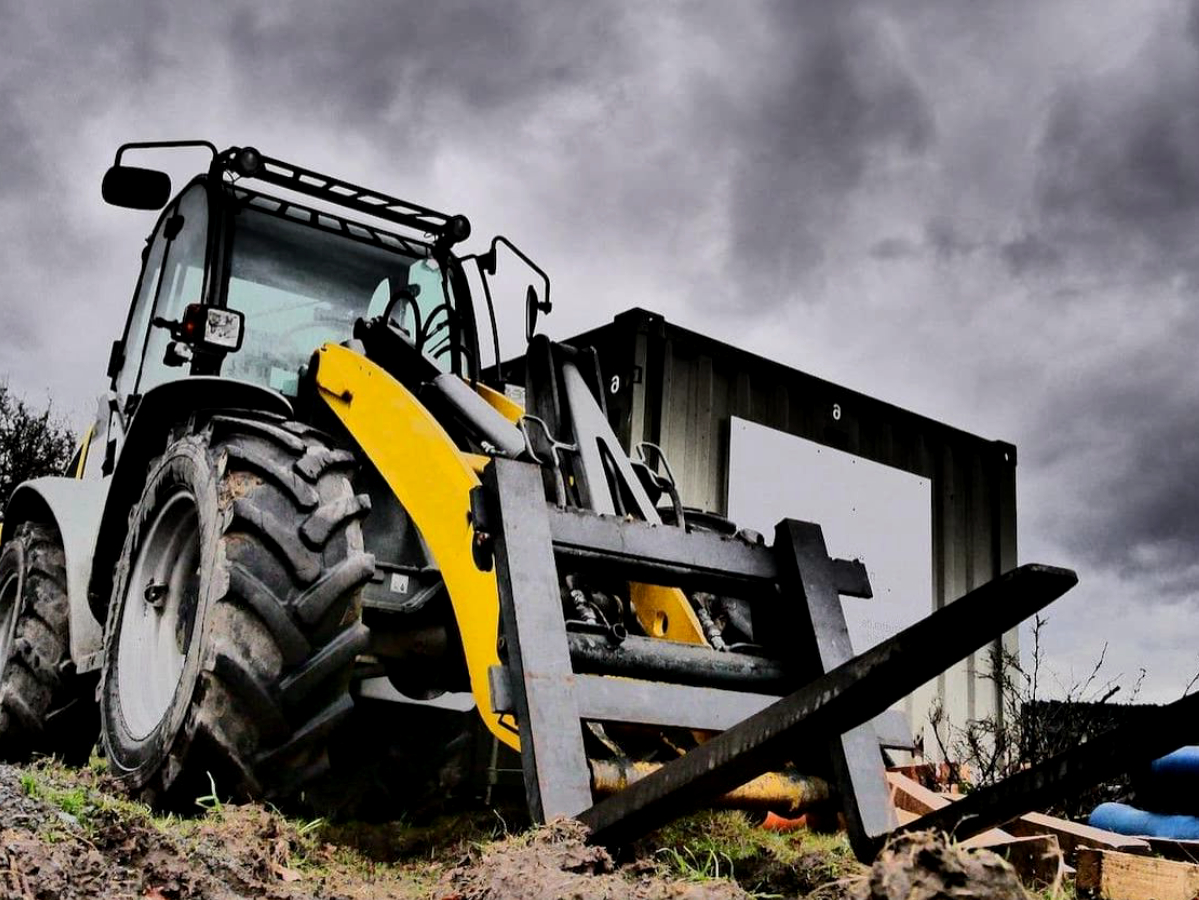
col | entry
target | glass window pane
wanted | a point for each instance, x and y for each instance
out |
(300, 287)
(183, 283)
(139, 321)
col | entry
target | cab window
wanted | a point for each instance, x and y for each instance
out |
(182, 282)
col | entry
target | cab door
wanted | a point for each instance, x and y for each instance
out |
(173, 275)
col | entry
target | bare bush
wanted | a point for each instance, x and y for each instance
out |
(1028, 728)
(32, 442)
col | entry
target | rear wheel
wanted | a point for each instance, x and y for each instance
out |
(235, 617)
(45, 708)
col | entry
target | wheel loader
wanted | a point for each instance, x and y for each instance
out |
(308, 527)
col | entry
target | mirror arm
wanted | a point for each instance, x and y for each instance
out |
(150, 145)
(486, 264)
(544, 305)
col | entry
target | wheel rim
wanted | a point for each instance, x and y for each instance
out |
(10, 592)
(158, 615)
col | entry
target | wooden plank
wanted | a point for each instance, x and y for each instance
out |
(905, 817)
(1037, 859)
(914, 797)
(1073, 835)
(911, 796)
(1124, 876)
(915, 771)
(1171, 848)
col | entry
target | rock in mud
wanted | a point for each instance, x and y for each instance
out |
(926, 866)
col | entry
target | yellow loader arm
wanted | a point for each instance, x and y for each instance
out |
(374, 408)
(400, 438)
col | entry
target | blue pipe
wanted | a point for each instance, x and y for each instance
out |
(1171, 784)
(1124, 819)
(1181, 767)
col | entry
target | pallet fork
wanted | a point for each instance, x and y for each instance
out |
(554, 677)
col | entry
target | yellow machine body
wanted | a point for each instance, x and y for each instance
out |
(375, 408)
(432, 479)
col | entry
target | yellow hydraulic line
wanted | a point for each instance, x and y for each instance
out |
(504, 405)
(432, 479)
(784, 793)
(84, 445)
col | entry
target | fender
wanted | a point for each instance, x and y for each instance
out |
(160, 410)
(74, 507)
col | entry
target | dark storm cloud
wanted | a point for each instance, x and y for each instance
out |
(60, 66)
(944, 237)
(1126, 437)
(894, 248)
(23, 165)
(1028, 254)
(418, 74)
(836, 98)
(1117, 202)
(1119, 171)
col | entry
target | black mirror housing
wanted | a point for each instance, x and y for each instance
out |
(116, 358)
(532, 307)
(136, 188)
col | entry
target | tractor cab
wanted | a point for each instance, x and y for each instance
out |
(245, 284)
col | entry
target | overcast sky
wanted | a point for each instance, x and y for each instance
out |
(984, 212)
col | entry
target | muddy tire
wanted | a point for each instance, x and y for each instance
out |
(235, 617)
(45, 708)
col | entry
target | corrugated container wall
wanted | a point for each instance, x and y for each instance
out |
(679, 390)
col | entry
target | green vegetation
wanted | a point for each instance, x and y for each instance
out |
(727, 845)
(82, 796)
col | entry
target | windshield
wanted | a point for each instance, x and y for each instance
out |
(300, 286)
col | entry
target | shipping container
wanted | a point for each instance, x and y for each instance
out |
(929, 508)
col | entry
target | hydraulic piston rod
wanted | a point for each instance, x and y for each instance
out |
(677, 663)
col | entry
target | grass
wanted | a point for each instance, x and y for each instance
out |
(403, 858)
(702, 866)
(210, 802)
(727, 845)
(399, 856)
(82, 796)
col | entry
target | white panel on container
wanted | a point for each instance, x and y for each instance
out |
(868, 511)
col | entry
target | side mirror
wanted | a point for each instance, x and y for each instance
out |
(136, 188)
(533, 305)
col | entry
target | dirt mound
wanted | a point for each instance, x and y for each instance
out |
(554, 861)
(66, 835)
(109, 851)
(925, 866)
(69, 834)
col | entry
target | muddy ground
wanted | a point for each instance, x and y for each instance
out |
(70, 834)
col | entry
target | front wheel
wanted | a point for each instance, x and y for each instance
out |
(45, 708)
(235, 618)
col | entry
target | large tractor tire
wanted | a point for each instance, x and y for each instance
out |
(235, 617)
(45, 708)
